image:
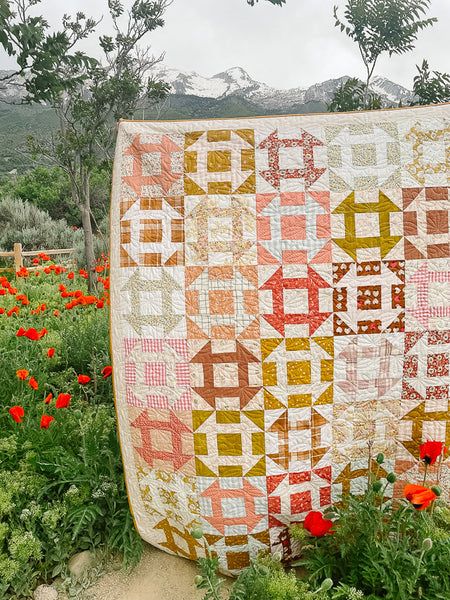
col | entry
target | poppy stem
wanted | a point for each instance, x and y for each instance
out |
(369, 475)
(425, 474)
(438, 474)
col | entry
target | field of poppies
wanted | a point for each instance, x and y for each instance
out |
(61, 482)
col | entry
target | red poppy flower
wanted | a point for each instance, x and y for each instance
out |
(83, 379)
(2, 292)
(431, 451)
(63, 400)
(13, 311)
(420, 497)
(48, 398)
(17, 413)
(46, 420)
(316, 524)
(23, 299)
(20, 332)
(100, 304)
(70, 275)
(2, 311)
(32, 334)
(83, 273)
(22, 272)
(106, 372)
(51, 352)
(36, 261)
(33, 383)
(22, 374)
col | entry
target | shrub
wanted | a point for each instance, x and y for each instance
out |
(20, 221)
(48, 189)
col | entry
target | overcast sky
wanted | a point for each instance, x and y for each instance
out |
(293, 46)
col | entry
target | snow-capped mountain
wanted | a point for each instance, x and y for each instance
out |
(237, 82)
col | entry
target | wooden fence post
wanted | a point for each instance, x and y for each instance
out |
(18, 258)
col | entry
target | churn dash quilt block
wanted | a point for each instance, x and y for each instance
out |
(280, 299)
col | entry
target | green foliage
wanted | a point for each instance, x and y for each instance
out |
(264, 579)
(431, 87)
(61, 489)
(48, 188)
(350, 96)
(22, 221)
(379, 26)
(378, 547)
(43, 59)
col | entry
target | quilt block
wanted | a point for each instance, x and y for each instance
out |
(280, 301)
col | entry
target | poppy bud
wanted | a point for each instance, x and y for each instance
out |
(391, 477)
(437, 490)
(376, 486)
(427, 544)
(380, 458)
(327, 584)
(197, 533)
(198, 580)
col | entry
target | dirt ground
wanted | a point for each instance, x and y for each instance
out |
(159, 576)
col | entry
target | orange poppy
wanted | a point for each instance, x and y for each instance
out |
(420, 497)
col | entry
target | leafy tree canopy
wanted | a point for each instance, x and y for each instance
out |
(350, 96)
(431, 87)
(379, 26)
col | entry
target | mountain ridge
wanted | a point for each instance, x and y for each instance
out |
(236, 81)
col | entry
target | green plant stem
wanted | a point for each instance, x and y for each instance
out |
(425, 474)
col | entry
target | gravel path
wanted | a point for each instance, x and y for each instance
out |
(159, 576)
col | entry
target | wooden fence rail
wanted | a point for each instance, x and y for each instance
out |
(18, 255)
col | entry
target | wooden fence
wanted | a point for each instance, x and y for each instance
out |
(18, 255)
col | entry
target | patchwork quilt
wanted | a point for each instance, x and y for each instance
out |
(280, 302)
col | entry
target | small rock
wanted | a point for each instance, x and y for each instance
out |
(79, 563)
(45, 592)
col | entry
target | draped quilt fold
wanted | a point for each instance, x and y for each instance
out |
(280, 300)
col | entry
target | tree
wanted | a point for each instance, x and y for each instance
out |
(379, 26)
(88, 95)
(350, 96)
(431, 87)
